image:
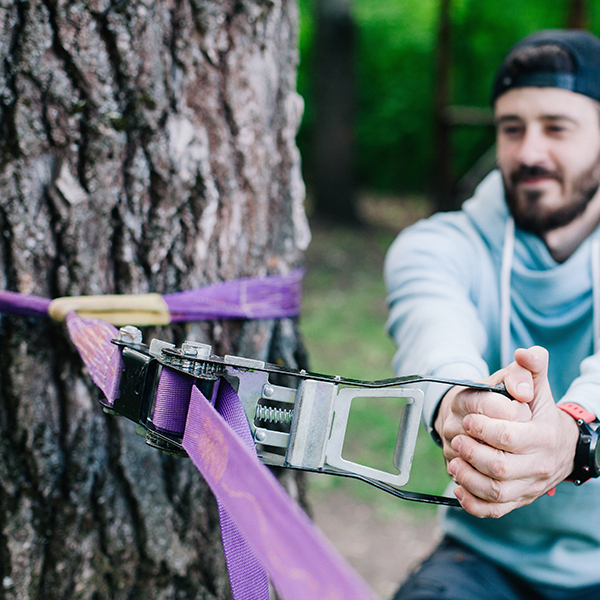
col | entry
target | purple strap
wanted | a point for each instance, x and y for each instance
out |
(171, 405)
(270, 297)
(276, 532)
(247, 577)
(23, 304)
(92, 338)
(299, 560)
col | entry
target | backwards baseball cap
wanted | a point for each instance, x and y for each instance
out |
(582, 77)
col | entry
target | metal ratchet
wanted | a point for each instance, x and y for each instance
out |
(301, 425)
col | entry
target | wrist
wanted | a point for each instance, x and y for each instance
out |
(437, 421)
(586, 455)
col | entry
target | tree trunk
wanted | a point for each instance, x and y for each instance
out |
(146, 146)
(334, 185)
(578, 14)
(442, 163)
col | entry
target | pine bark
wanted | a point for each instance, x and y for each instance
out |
(145, 146)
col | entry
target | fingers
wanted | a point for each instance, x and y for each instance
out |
(485, 496)
(482, 508)
(492, 462)
(459, 403)
(495, 406)
(518, 381)
(506, 454)
(535, 360)
(503, 434)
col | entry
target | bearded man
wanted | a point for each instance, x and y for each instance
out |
(508, 289)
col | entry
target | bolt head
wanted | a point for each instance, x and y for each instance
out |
(196, 349)
(130, 334)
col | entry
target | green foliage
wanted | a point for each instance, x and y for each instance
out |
(395, 69)
(395, 78)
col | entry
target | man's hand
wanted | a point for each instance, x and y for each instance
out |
(504, 454)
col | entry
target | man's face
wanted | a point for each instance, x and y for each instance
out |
(548, 150)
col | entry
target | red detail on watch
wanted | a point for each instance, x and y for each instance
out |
(577, 412)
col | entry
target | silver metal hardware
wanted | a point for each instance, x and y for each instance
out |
(130, 335)
(302, 426)
(196, 349)
(157, 347)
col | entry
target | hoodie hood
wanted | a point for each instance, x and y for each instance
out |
(541, 301)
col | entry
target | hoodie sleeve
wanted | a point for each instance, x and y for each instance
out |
(436, 279)
(585, 389)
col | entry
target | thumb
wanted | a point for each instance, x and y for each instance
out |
(535, 360)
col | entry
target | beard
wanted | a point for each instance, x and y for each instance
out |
(529, 212)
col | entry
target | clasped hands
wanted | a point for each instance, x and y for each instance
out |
(505, 453)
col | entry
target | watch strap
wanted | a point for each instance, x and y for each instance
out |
(584, 463)
(577, 411)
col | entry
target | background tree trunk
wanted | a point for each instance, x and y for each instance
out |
(144, 146)
(333, 137)
(442, 163)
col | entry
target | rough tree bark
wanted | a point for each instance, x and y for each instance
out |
(145, 145)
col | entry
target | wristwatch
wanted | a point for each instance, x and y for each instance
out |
(587, 453)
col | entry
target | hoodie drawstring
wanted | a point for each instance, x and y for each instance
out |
(596, 290)
(505, 272)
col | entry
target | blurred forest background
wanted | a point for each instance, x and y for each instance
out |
(397, 125)
(407, 83)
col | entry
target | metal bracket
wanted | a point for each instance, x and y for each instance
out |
(299, 427)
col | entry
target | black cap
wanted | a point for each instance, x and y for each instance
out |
(584, 78)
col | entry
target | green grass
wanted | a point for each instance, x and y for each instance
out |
(343, 326)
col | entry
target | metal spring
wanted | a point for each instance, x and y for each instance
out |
(273, 415)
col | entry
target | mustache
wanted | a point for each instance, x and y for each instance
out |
(525, 172)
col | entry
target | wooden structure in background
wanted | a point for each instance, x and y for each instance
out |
(448, 192)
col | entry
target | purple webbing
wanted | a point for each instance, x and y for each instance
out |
(299, 560)
(92, 338)
(271, 297)
(23, 304)
(247, 577)
(172, 401)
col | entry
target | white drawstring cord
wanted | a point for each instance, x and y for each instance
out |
(596, 290)
(505, 273)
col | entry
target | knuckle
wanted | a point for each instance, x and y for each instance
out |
(505, 437)
(545, 468)
(467, 452)
(497, 511)
(499, 467)
(496, 493)
(449, 454)
(471, 401)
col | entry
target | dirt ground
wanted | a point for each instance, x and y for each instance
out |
(384, 549)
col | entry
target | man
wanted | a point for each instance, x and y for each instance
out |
(510, 285)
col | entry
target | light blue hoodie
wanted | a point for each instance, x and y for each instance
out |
(465, 290)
